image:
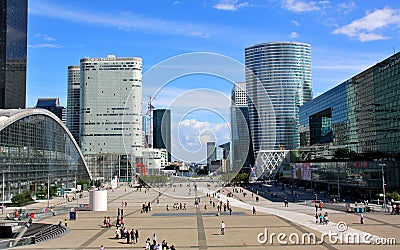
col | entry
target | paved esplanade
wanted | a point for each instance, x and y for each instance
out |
(199, 228)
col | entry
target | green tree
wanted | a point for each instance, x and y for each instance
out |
(394, 195)
(22, 199)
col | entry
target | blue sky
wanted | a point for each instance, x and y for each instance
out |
(346, 37)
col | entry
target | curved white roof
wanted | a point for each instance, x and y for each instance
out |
(10, 116)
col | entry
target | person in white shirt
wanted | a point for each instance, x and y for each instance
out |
(222, 228)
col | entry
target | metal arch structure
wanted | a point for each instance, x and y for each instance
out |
(269, 162)
(14, 115)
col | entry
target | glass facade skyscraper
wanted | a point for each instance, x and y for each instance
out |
(361, 114)
(162, 130)
(278, 82)
(13, 52)
(242, 151)
(52, 105)
(73, 101)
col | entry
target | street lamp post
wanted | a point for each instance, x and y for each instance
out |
(76, 190)
(383, 185)
(338, 188)
(48, 190)
(2, 204)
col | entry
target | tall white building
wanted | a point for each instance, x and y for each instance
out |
(111, 113)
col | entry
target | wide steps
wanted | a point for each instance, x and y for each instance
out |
(51, 232)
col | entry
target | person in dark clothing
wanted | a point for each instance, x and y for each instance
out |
(128, 237)
(136, 235)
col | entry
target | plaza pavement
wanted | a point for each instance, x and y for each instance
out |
(197, 228)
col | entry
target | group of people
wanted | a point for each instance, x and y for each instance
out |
(322, 219)
(107, 222)
(178, 206)
(130, 236)
(146, 207)
(153, 245)
(221, 206)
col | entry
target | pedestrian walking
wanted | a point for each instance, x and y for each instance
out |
(222, 228)
(254, 210)
(132, 233)
(361, 218)
(101, 247)
(154, 237)
(136, 235)
(128, 237)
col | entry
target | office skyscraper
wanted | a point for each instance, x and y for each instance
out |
(242, 148)
(162, 130)
(111, 115)
(13, 51)
(211, 152)
(52, 105)
(73, 101)
(278, 81)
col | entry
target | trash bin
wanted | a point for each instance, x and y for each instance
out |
(72, 215)
(359, 210)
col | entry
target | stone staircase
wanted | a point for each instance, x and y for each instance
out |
(40, 233)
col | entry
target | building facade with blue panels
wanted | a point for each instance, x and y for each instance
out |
(362, 114)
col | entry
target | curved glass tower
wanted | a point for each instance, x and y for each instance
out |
(278, 81)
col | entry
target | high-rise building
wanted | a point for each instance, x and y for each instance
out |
(52, 105)
(278, 81)
(242, 148)
(162, 130)
(360, 115)
(13, 51)
(211, 152)
(111, 114)
(73, 101)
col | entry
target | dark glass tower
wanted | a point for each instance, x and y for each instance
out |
(162, 130)
(13, 51)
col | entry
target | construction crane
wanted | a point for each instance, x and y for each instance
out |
(149, 114)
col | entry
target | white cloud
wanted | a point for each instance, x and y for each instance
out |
(190, 137)
(45, 37)
(125, 20)
(295, 23)
(44, 45)
(299, 6)
(345, 8)
(230, 5)
(294, 35)
(365, 28)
